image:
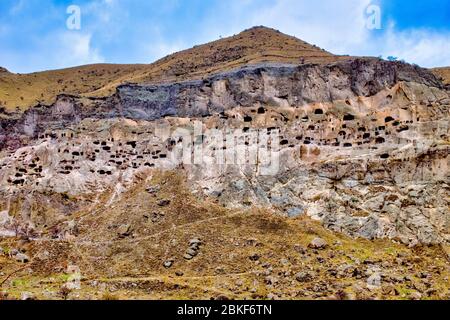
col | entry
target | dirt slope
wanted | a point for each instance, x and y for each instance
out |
(136, 249)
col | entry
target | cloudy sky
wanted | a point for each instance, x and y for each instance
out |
(34, 34)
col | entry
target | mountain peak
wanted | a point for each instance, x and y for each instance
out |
(258, 44)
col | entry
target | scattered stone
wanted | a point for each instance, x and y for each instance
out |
(163, 203)
(423, 275)
(415, 295)
(419, 287)
(342, 295)
(195, 241)
(254, 257)
(194, 247)
(219, 270)
(332, 272)
(407, 278)
(318, 243)
(430, 292)
(167, 264)
(179, 273)
(272, 296)
(304, 276)
(157, 216)
(124, 230)
(251, 242)
(300, 249)
(374, 281)
(27, 296)
(390, 290)
(369, 261)
(192, 252)
(271, 280)
(21, 257)
(153, 190)
(371, 270)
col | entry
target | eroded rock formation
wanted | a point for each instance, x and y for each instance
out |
(362, 145)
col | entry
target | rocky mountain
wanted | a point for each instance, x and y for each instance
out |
(252, 46)
(164, 170)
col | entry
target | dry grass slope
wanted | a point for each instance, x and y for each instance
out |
(443, 73)
(250, 254)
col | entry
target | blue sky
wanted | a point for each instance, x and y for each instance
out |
(34, 35)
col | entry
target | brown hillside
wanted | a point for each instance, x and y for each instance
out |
(443, 73)
(255, 45)
(250, 254)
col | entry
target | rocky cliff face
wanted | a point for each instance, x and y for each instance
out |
(267, 84)
(361, 145)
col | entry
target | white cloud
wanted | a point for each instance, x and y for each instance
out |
(155, 51)
(423, 47)
(55, 51)
(76, 49)
(329, 23)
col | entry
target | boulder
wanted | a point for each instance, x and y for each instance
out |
(318, 243)
(163, 203)
(27, 296)
(124, 230)
(192, 252)
(415, 295)
(153, 190)
(21, 257)
(374, 281)
(187, 256)
(168, 263)
(195, 241)
(304, 276)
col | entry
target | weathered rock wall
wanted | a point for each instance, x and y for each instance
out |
(260, 85)
(363, 145)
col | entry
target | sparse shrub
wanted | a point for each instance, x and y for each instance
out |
(64, 292)
(3, 296)
(107, 296)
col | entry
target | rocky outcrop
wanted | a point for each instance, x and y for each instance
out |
(277, 85)
(270, 84)
(361, 145)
